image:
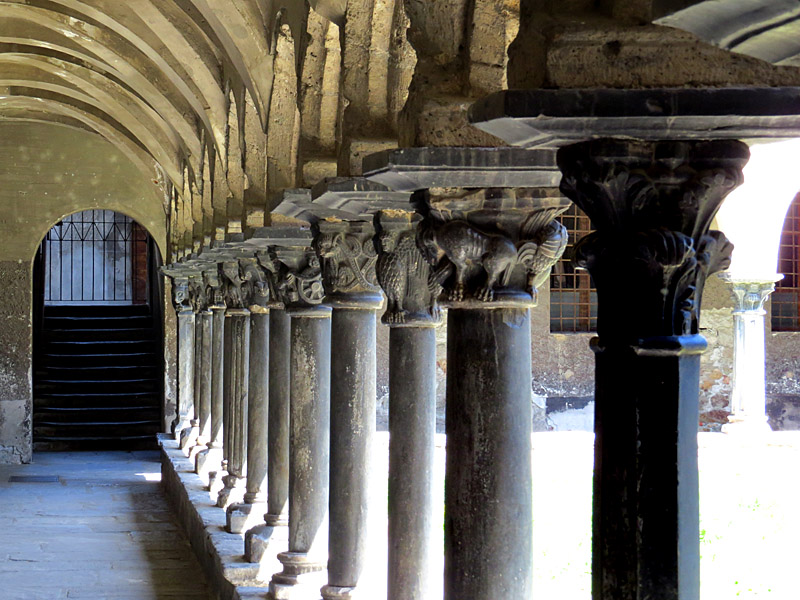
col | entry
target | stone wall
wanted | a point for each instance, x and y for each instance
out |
(16, 404)
(48, 172)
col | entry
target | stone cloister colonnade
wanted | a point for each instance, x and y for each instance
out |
(474, 230)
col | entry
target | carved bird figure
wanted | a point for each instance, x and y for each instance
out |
(399, 264)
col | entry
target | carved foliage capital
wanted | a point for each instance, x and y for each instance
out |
(651, 204)
(232, 284)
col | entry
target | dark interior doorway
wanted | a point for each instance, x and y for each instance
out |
(98, 305)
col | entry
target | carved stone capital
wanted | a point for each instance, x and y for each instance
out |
(215, 292)
(651, 204)
(257, 290)
(402, 271)
(491, 248)
(181, 294)
(197, 292)
(751, 296)
(347, 255)
(233, 282)
(298, 279)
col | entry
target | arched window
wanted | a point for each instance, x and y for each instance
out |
(95, 256)
(573, 299)
(786, 298)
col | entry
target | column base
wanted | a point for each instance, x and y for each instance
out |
(751, 427)
(195, 450)
(208, 460)
(241, 517)
(301, 577)
(263, 542)
(281, 520)
(333, 592)
(216, 481)
(188, 438)
(232, 492)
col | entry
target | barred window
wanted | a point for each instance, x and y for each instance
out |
(573, 298)
(786, 297)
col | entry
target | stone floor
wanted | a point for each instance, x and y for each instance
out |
(101, 530)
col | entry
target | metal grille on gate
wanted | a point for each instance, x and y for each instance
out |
(95, 256)
(785, 300)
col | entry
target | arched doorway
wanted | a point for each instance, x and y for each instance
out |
(97, 335)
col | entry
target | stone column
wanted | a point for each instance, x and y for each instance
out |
(185, 361)
(412, 314)
(210, 459)
(748, 396)
(237, 362)
(304, 562)
(651, 204)
(347, 254)
(199, 305)
(490, 250)
(240, 517)
(260, 538)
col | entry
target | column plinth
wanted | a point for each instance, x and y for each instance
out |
(651, 204)
(490, 250)
(412, 314)
(309, 407)
(348, 256)
(748, 396)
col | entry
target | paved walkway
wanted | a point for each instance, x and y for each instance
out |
(101, 530)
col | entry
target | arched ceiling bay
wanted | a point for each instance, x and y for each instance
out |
(153, 77)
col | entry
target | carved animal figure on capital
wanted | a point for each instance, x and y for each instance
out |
(465, 246)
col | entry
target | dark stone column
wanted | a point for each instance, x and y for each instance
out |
(212, 461)
(237, 363)
(348, 257)
(412, 314)
(210, 458)
(490, 261)
(304, 562)
(651, 204)
(240, 517)
(279, 373)
(261, 537)
(185, 366)
(205, 318)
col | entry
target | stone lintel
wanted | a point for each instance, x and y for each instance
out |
(412, 169)
(547, 117)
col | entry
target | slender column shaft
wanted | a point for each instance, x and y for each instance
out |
(185, 370)
(204, 376)
(237, 357)
(217, 376)
(488, 498)
(646, 502)
(748, 396)
(258, 407)
(278, 438)
(412, 427)
(198, 366)
(310, 448)
(352, 434)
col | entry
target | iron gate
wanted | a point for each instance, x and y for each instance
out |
(95, 256)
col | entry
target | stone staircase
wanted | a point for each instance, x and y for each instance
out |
(97, 379)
